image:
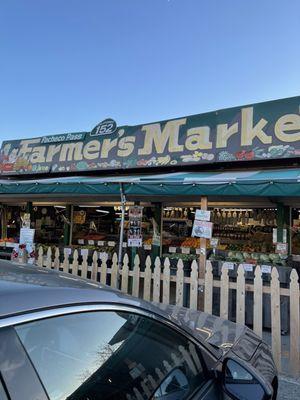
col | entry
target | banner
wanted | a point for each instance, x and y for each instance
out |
(135, 238)
(262, 131)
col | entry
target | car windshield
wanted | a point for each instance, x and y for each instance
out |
(111, 355)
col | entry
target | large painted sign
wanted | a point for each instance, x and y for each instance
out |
(269, 130)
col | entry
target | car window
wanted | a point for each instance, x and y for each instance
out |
(3, 395)
(112, 355)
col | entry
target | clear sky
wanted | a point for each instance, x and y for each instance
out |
(66, 65)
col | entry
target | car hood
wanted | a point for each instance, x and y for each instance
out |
(222, 334)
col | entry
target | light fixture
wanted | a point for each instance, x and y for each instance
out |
(85, 206)
(103, 211)
(60, 206)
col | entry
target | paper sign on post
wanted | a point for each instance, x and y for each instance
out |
(228, 265)
(26, 236)
(202, 229)
(202, 215)
(266, 269)
(84, 252)
(281, 248)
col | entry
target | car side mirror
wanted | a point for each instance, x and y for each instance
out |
(240, 381)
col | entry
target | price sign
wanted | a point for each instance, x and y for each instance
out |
(111, 244)
(103, 255)
(80, 241)
(202, 215)
(248, 267)
(281, 248)
(91, 242)
(84, 252)
(202, 229)
(266, 269)
(68, 251)
(147, 246)
(100, 243)
(185, 250)
(172, 249)
(124, 245)
(228, 265)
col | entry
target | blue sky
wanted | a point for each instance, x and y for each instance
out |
(66, 65)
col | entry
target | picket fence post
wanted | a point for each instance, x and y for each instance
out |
(66, 263)
(275, 317)
(114, 272)
(75, 263)
(156, 280)
(224, 293)
(125, 271)
(56, 263)
(136, 276)
(94, 267)
(40, 260)
(257, 302)
(147, 279)
(294, 324)
(194, 286)
(103, 272)
(179, 283)
(84, 265)
(240, 295)
(166, 282)
(208, 288)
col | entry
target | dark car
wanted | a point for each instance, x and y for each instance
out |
(65, 338)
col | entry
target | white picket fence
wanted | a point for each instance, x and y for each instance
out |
(156, 283)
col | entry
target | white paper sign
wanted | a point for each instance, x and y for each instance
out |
(80, 241)
(91, 242)
(248, 267)
(111, 244)
(147, 246)
(202, 229)
(214, 242)
(103, 255)
(266, 269)
(202, 215)
(84, 252)
(228, 265)
(185, 250)
(198, 251)
(124, 245)
(100, 243)
(68, 251)
(172, 249)
(26, 236)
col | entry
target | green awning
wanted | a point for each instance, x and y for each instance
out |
(264, 183)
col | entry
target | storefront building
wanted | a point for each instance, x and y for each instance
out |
(242, 164)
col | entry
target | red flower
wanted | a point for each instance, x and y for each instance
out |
(249, 155)
(240, 155)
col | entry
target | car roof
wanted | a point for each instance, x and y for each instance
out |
(25, 288)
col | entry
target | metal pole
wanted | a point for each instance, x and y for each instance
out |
(123, 204)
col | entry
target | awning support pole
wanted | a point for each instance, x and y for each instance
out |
(120, 255)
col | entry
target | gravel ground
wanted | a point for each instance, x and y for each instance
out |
(289, 388)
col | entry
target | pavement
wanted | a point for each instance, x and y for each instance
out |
(289, 388)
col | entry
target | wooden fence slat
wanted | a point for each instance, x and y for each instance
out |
(125, 270)
(240, 295)
(49, 258)
(66, 263)
(40, 260)
(224, 295)
(147, 279)
(114, 271)
(208, 288)
(194, 286)
(156, 280)
(258, 302)
(166, 282)
(275, 318)
(84, 266)
(179, 283)
(75, 263)
(294, 324)
(56, 263)
(94, 266)
(136, 277)
(103, 273)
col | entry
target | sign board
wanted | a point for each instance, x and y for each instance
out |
(80, 241)
(228, 265)
(135, 238)
(266, 269)
(27, 236)
(281, 248)
(202, 215)
(248, 267)
(172, 249)
(262, 131)
(202, 229)
(185, 250)
(79, 217)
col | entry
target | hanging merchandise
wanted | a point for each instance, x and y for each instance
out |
(135, 226)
